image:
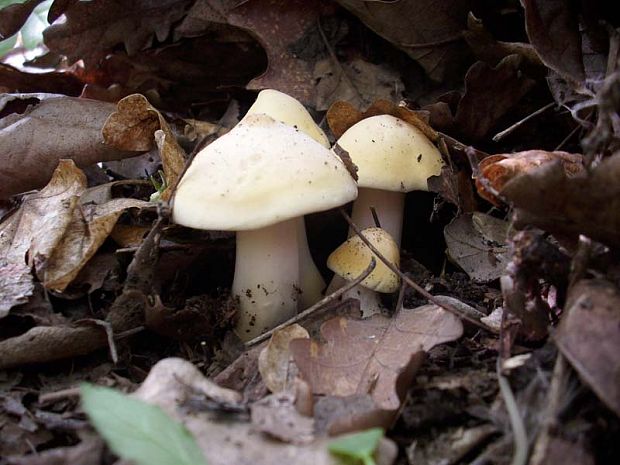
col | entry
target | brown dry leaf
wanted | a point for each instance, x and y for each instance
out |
(40, 129)
(489, 94)
(15, 80)
(13, 17)
(549, 199)
(90, 226)
(277, 416)
(429, 31)
(263, 20)
(226, 438)
(589, 337)
(477, 243)
(496, 170)
(127, 235)
(91, 29)
(368, 356)
(357, 82)
(136, 125)
(87, 452)
(30, 235)
(553, 29)
(342, 115)
(275, 361)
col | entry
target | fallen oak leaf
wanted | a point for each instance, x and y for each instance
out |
(368, 356)
(40, 129)
(13, 17)
(137, 125)
(274, 362)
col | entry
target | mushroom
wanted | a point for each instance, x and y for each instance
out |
(351, 258)
(257, 180)
(393, 158)
(288, 110)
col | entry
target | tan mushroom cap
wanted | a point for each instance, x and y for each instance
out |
(286, 109)
(353, 257)
(260, 173)
(391, 154)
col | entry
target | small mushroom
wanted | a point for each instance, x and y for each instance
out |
(352, 257)
(257, 180)
(288, 110)
(393, 158)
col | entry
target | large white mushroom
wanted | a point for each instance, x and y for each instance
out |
(286, 109)
(257, 180)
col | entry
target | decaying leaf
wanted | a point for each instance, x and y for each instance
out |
(13, 17)
(275, 361)
(496, 170)
(427, 30)
(357, 82)
(368, 356)
(586, 204)
(489, 94)
(589, 337)
(40, 129)
(91, 29)
(227, 438)
(277, 416)
(477, 243)
(137, 125)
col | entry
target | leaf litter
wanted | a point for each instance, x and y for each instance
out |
(519, 232)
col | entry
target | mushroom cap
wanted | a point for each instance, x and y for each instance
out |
(391, 154)
(353, 257)
(260, 173)
(286, 109)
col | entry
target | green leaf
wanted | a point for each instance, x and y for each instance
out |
(358, 447)
(7, 45)
(138, 431)
(32, 31)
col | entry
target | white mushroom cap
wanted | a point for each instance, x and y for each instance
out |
(284, 108)
(353, 257)
(260, 173)
(391, 154)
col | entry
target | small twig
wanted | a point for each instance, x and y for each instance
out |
(567, 138)
(516, 422)
(500, 135)
(375, 217)
(321, 303)
(59, 395)
(423, 292)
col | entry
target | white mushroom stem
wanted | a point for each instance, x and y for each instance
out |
(389, 207)
(310, 280)
(266, 277)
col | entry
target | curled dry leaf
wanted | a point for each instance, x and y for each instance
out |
(589, 337)
(39, 129)
(226, 438)
(275, 361)
(13, 17)
(137, 125)
(15, 80)
(548, 198)
(477, 243)
(368, 356)
(496, 170)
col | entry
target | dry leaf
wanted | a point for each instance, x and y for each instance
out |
(42, 128)
(496, 170)
(429, 31)
(91, 29)
(18, 81)
(35, 230)
(477, 243)
(13, 17)
(368, 356)
(226, 438)
(589, 337)
(357, 82)
(277, 416)
(275, 361)
(553, 201)
(137, 125)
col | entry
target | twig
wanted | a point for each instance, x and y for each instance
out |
(59, 395)
(424, 293)
(567, 138)
(516, 422)
(500, 135)
(321, 303)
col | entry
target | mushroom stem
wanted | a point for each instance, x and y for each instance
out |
(266, 277)
(310, 280)
(389, 207)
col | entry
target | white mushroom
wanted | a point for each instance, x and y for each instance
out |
(256, 180)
